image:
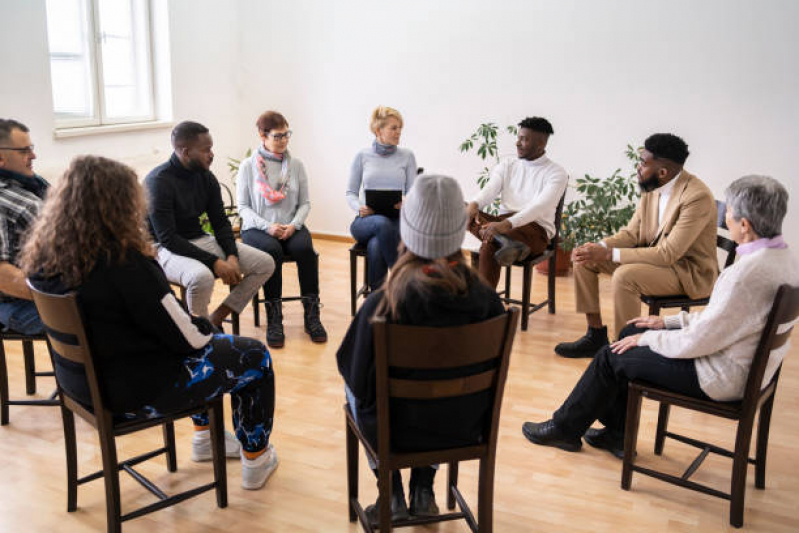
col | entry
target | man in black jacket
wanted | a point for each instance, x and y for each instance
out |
(181, 190)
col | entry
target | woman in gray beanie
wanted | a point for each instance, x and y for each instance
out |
(430, 285)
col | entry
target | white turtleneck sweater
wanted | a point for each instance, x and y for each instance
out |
(722, 338)
(530, 189)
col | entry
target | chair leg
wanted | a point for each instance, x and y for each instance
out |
(352, 471)
(169, 444)
(108, 449)
(353, 281)
(663, 424)
(452, 482)
(507, 282)
(216, 414)
(654, 309)
(3, 386)
(485, 496)
(551, 275)
(475, 259)
(256, 311)
(740, 464)
(234, 318)
(630, 436)
(30, 367)
(527, 287)
(763, 425)
(68, 419)
(384, 496)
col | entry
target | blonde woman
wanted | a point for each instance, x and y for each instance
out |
(387, 167)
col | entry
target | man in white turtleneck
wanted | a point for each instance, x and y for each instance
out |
(530, 188)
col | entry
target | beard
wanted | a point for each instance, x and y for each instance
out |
(650, 183)
(197, 165)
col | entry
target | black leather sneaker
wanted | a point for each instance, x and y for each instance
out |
(586, 346)
(604, 439)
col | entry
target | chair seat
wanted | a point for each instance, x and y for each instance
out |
(730, 410)
(674, 300)
(12, 335)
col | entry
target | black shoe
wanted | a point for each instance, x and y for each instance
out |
(547, 434)
(399, 509)
(313, 325)
(510, 251)
(423, 502)
(275, 338)
(604, 439)
(586, 346)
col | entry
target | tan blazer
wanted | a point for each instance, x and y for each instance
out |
(685, 240)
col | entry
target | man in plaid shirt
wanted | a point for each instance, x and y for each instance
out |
(21, 194)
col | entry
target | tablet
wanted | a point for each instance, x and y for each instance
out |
(382, 202)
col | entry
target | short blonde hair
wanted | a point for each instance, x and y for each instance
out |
(380, 116)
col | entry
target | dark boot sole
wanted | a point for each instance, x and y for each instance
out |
(278, 344)
(565, 446)
(575, 354)
(318, 340)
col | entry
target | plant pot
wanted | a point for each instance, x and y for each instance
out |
(563, 261)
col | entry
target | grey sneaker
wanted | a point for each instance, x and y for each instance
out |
(201, 445)
(255, 472)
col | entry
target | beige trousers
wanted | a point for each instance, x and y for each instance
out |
(629, 282)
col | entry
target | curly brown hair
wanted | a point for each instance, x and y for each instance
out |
(96, 211)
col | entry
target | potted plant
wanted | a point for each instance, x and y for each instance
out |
(485, 138)
(603, 207)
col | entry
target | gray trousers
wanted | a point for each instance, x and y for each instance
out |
(256, 267)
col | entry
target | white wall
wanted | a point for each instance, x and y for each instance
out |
(723, 74)
(203, 82)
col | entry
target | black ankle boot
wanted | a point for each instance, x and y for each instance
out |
(422, 499)
(274, 324)
(510, 251)
(399, 509)
(586, 346)
(313, 325)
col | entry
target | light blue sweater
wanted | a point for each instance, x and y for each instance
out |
(372, 171)
(256, 212)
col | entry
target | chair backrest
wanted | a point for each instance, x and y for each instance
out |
(779, 327)
(66, 334)
(427, 348)
(722, 241)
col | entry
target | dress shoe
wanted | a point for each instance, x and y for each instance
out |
(399, 509)
(547, 434)
(605, 439)
(423, 502)
(510, 251)
(586, 346)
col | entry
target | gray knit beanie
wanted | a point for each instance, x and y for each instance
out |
(433, 217)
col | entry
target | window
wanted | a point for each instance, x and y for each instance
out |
(102, 62)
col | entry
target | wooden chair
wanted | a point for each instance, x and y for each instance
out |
(257, 300)
(68, 338)
(30, 373)
(419, 347)
(358, 250)
(778, 328)
(527, 275)
(727, 249)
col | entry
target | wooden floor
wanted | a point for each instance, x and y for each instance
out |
(537, 488)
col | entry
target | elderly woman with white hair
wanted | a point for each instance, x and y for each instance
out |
(383, 166)
(705, 354)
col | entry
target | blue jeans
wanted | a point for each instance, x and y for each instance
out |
(381, 237)
(21, 316)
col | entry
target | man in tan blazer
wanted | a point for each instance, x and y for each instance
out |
(668, 247)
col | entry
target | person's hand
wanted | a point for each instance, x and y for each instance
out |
(275, 230)
(625, 344)
(288, 231)
(228, 273)
(491, 229)
(365, 211)
(471, 212)
(648, 322)
(398, 205)
(591, 252)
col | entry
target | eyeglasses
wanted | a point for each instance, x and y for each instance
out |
(281, 136)
(25, 150)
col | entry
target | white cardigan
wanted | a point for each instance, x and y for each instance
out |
(722, 338)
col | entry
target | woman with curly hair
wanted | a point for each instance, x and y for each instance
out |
(155, 357)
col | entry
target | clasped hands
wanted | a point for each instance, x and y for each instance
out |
(631, 341)
(487, 230)
(591, 252)
(282, 231)
(228, 270)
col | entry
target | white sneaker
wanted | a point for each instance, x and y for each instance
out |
(201, 445)
(255, 472)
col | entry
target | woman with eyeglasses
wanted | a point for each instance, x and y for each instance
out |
(384, 168)
(273, 203)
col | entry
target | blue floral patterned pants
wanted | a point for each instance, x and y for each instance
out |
(228, 364)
